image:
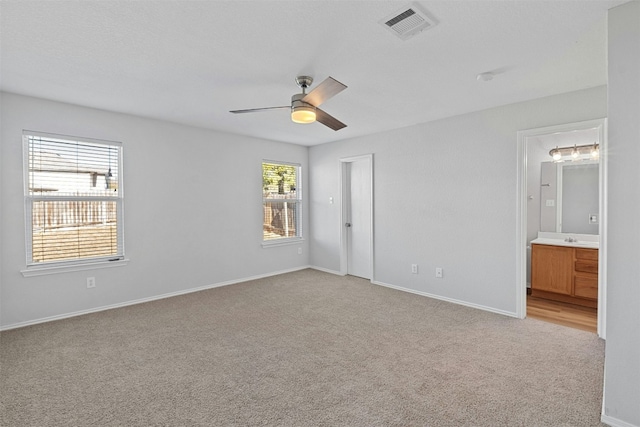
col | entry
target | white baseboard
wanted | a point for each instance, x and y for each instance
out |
(147, 299)
(426, 294)
(326, 270)
(614, 422)
(452, 300)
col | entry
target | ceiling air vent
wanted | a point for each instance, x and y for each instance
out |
(407, 22)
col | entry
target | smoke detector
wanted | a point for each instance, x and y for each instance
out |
(408, 21)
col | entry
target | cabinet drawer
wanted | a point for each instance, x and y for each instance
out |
(585, 286)
(591, 254)
(586, 266)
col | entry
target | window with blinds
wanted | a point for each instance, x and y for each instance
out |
(73, 199)
(281, 202)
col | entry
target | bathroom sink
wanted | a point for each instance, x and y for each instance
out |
(562, 242)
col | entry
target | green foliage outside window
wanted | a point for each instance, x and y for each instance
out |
(279, 178)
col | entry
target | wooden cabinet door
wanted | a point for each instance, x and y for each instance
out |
(586, 286)
(552, 269)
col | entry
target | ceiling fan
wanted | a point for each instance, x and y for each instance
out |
(304, 106)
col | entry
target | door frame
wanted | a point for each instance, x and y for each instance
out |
(521, 222)
(344, 181)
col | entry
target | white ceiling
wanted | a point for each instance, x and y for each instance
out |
(191, 62)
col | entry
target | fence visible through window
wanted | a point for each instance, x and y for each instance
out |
(281, 201)
(279, 220)
(73, 198)
(73, 229)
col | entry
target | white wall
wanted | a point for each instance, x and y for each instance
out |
(537, 153)
(548, 214)
(622, 357)
(193, 210)
(445, 196)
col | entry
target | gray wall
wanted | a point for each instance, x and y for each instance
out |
(549, 191)
(193, 210)
(622, 357)
(445, 196)
(537, 154)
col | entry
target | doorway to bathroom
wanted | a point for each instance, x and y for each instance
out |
(562, 215)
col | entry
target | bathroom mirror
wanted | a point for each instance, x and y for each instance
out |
(569, 197)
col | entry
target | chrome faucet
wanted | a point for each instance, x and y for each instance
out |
(570, 240)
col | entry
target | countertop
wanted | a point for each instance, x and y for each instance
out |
(562, 242)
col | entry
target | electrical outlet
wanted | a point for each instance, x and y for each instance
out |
(91, 282)
(299, 251)
(438, 272)
(414, 268)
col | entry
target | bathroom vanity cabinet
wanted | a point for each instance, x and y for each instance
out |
(565, 273)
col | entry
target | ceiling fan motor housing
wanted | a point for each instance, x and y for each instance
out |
(302, 112)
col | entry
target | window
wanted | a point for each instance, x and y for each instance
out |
(281, 202)
(73, 200)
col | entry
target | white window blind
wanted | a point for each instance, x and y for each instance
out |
(281, 201)
(73, 199)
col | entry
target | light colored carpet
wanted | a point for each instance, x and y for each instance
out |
(300, 349)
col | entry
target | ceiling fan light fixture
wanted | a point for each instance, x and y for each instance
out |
(303, 114)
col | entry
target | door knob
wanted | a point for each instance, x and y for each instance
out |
(347, 224)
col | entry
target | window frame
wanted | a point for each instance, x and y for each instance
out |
(34, 268)
(297, 201)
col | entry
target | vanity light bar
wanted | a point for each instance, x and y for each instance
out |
(577, 152)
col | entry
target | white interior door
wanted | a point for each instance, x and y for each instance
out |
(358, 217)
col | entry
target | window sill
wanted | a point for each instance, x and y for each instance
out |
(282, 242)
(53, 269)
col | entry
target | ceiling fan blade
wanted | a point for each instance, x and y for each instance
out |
(255, 110)
(325, 90)
(329, 120)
